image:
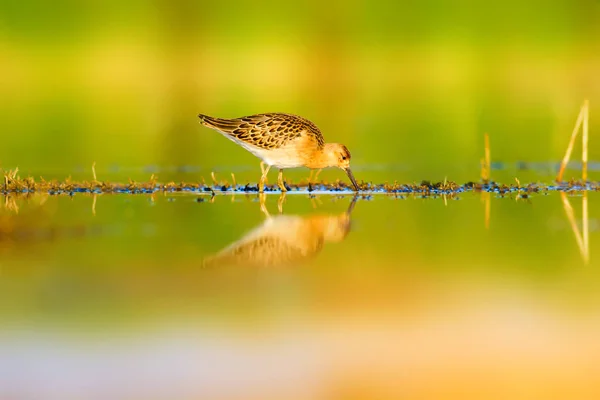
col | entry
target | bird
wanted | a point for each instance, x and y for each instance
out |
(284, 240)
(282, 141)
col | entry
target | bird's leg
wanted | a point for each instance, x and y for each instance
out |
(263, 207)
(280, 181)
(263, 178)
(316, 201)
(262, 169)
(313, 179)
(280, 202)
(317, 175)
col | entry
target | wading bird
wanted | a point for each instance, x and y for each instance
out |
(284, 240)
(282, 141)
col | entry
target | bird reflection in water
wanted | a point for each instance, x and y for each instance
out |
(284, 240)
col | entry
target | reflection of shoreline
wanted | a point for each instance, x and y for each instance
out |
(34, 226)
(560, 224)
(284, 240)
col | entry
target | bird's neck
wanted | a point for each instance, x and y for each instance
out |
(318, 160)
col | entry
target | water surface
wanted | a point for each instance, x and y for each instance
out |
(171, 296)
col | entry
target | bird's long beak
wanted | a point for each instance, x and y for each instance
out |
(351, 176)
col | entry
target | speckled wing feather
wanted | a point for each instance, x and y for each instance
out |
(266, 131)
(268, 251)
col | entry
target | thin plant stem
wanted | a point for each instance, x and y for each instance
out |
(584, 141)
(586, 229)
(488, 209)
(486, 161)
(571, 217)
(567, 156)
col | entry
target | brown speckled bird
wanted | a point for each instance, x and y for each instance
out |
(284, 240)
(282, 141)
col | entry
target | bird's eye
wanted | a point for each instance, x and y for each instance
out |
(343, 157)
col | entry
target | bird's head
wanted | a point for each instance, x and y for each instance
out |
(338, 155)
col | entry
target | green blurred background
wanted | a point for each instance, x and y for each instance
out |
(410, 87)
(481, 292)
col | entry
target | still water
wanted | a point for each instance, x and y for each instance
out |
(180, 296)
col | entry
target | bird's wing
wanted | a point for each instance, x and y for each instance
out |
(266, 131)
(261, 251)
(278, 241)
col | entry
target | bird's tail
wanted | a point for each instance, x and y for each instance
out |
(221, 124)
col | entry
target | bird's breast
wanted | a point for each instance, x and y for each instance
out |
(296, 153)
(283, 157)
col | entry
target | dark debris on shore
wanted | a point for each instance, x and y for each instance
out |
(13, 184)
